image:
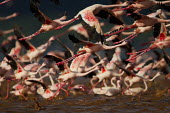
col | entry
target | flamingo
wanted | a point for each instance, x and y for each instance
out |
(140, 21)
(137, 90)
(89, 17)
(93, 47)
(33, 53)
(72, 75)
(138, 5)
(109, 91)
(47, 23)
(161, 42)
(43, 90)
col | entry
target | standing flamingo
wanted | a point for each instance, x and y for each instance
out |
(137, 90)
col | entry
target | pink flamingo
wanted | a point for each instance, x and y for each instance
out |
(47, 23)
(109, 90)
(140, 21)
(92, 47)
(144, 4)
(137, 90)
(89, 16)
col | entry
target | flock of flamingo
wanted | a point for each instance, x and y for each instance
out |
(107, 59)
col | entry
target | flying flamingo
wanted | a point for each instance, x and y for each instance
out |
(92, 47)
(161, 42)
(89, 17)
(33, 53)
(140, 21)
(43, 90)
(47, 23)
(138, 5)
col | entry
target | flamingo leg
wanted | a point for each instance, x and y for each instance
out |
(124, 29)
(31, 36)
(4, 2)
(114, 10)
(93, 87)
(7, 93)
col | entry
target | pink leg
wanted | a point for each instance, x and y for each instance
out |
(22, 95)
(125, 90)
(124, 29)
(71, 58)
(146, 50)
(7, 94)
(65, 91)
(93, 87)
(4, 2)
(130, 36)
(147, 43)
(114, 10)
(66, 24)
(31, 36)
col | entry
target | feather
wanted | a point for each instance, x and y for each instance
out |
(40, 83)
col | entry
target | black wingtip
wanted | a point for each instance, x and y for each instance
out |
(73, 38)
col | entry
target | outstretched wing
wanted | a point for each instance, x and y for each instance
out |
(37, 13)
(107, 13)
(40, 83)
(78, 41)
(11, 61)
(125, 70)
(56, 59)
(135, 16)
(166, 57)
(24, 43)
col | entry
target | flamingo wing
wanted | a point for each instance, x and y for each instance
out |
(156, 30)
(92, 25)
(24, 43)
(166, 57)
(11, 61)
(135, 16)
(76, 40)
(125, 70)
(55, 59)
(107, 13)
(38, 82)
(68, 52)
(38, 14)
